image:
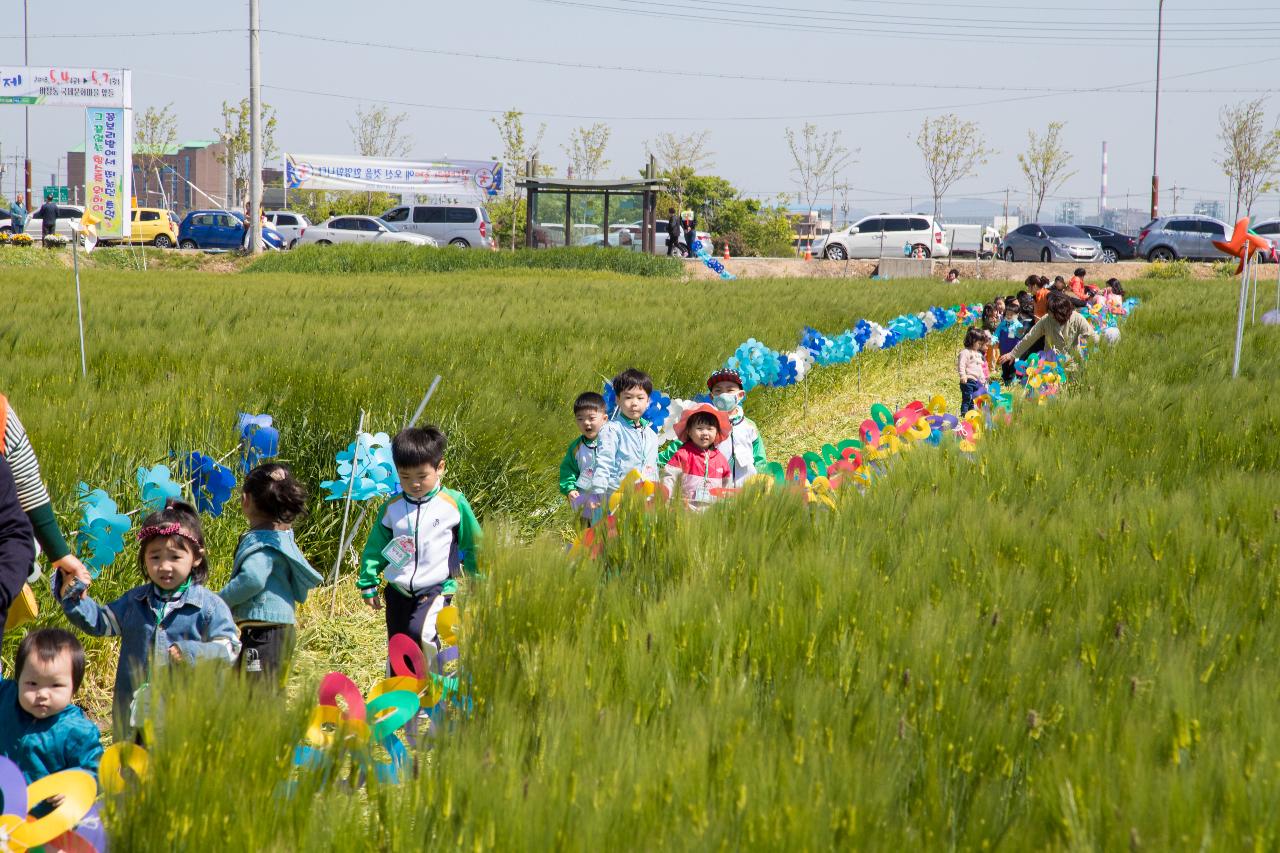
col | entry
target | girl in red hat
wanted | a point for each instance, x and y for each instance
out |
(698, 471)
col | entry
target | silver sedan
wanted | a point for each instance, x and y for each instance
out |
(1047, 243)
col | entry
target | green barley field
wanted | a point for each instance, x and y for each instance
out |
(1065, 641)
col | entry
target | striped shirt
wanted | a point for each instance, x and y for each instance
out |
(22, 460)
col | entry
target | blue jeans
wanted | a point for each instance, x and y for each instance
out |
(967, 391)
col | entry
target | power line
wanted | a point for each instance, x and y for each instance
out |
(754, 78)
(913, 31)
(134, 34)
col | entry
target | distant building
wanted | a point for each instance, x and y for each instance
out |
(183, 165)
(1208, 208)
(1069, 213)
(1129, 220)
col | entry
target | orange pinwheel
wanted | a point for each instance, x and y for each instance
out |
(1243, 243)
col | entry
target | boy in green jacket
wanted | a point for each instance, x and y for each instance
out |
(580, 459)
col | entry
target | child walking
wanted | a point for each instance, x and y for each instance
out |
(170, 619)
(40, 730)
(1010, 331)
(698, 470)
(744, 447)
(579, 464)
(421, 542)
(627, 441)
(270, 576)
(971, 365)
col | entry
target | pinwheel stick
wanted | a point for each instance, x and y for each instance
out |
(346, 507)
(1244, 307)
(75, 263)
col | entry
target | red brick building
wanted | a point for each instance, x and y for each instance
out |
(193, 162)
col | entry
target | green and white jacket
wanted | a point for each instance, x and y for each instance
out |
(444, 536)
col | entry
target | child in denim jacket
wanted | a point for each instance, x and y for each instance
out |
(168, 620)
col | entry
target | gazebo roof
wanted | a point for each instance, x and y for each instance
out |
(630, 185)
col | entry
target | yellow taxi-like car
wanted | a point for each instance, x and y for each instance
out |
(153, 226)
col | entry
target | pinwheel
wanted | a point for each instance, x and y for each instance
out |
(675, 409)
(803, 358)
(365, 469)
(157, 487)
(658, 411)
(72, 825)
(211, 483)
(102, 528)
(1243, 244)
(787, 372)
(813, 340)
(258, 439)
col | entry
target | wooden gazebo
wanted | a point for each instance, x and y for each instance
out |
(646, 188)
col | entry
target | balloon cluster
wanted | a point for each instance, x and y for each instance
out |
(701, 253)
(760, 365)
(103, 527)
(365, 470)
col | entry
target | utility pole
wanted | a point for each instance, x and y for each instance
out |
(26, 111)
(255, 135)
(1155, 143)
(1175, 192)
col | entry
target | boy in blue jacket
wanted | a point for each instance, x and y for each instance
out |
(627, 441)
(40, 730)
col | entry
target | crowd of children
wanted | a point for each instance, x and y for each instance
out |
(421, 542)
(1040, 316)
(717, 447)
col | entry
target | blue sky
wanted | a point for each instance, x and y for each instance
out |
(987, 60)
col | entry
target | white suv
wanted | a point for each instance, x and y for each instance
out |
(885, 235)
(290, 225)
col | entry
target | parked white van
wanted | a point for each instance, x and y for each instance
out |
(460, 225)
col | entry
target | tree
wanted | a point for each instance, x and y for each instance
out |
(819, 157)
(1044, 164)
(952, 150)
(1250, 152)
(681, 157)
(376, 133)
(516, 151)
(586, 150)
(234, 135)
(154, 133)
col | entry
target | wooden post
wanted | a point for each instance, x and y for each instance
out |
(606, 219)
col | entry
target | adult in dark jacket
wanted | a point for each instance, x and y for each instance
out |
(690, 223)
(673, 232)
(16, 549)
(48, 217)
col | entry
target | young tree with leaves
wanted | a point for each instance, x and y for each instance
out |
(377, 132)
(952, 150)
(154, 133)
(1044, 164)
(586, 150)
(1250, 154)
(680, 158)
(234, 135)
(819, 157)
(516, 151)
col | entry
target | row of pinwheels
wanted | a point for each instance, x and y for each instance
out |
(103, 527)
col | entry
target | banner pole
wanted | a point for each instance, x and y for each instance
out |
(75, 263)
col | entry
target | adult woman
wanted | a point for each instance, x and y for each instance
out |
(1061, 329)
(16, 552)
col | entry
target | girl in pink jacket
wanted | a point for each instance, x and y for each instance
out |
(698, 471)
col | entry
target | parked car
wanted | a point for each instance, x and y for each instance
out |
(1191, 237)
(359, 229)
(67, 213)
(883, 235)
(1270, 229)
(154, 226)
(1115, 246)
(1047, 243)
(221, 229)
(459, 225)
(290, 225)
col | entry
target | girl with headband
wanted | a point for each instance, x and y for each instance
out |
(169, 620)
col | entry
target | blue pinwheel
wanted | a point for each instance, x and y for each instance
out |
(211, 483)
(258, 439)
(813, 340)
(786, 371)
(365, 469)
(659, 409)
(102, 528)
(157, 487)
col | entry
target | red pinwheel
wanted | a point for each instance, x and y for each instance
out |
(1243, 244)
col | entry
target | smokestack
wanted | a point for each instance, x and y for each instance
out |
(1102, 199)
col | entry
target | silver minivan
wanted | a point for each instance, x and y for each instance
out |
(460, 225)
